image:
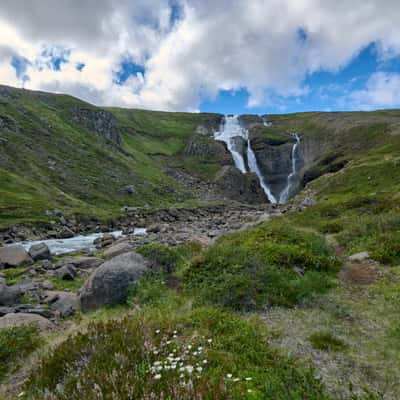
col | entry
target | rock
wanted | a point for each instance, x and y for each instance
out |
(14, 256)
(66, 273)
(86, 262)
(65, 233)
(18, 319)
(241, 187)
(47, 285)
(9, 295)
(117, 249)
(362, 256)
(130, 189)
(66, 304)
(100, 121)
(109, 283)
(37, 310)
(6, 310)
(40, 251)
(47, 265)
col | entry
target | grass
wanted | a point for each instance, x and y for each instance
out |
(326, 341)
(15, 344)
(57, 163)
(72, 285)
(13, 275)
(172, 351)
(271, 264)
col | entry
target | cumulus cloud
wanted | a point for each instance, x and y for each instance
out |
(382, 90)
(188, 50)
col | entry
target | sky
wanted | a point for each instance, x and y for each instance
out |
(226, 56)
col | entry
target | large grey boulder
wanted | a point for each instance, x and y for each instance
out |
(117, 249)
(14, 256)
(65, 304)
(109, 283)
(9, 295)
(40, 251)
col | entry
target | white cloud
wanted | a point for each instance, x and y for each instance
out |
(217, 44)
(382, 90)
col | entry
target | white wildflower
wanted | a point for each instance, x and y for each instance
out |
(229, 376)
(249, 379)
(158, 376)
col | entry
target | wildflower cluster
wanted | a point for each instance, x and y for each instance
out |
(176, 357)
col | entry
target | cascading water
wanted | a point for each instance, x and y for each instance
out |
(284, 196)
(253, 166)
(228, 131)
(231, 129)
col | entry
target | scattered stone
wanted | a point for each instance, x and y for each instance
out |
(130, 189)
(358, 257)
(14, 256)
(85, 262)
(117, 249)
(9, 295)
(40, 251)
(109, 283)
(65, 233)
(48, 265)
(19, 319)
(66, 273)
(37, 310)
(66, 304)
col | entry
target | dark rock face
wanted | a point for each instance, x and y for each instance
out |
(100, 121)
(40, 251)
(110, 282)
(14, 256)
(209, 149)
(240, 187)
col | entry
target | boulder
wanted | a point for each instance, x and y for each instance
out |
(40, 251)
(66, 273)
(86, 262)
(109, 283)
(65, 233)
(9, 295)
(18, 319)
(14, 256)
(117, 249)
(358, 257)
(65, 304)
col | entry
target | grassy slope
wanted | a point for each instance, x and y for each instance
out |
(86, 172)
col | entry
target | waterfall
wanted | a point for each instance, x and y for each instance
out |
(231, 129)
(253, 166)
(228, 131)
(284, 196)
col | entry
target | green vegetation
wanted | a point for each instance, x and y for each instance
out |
(172, 351)
(15, 344)
(326, 341)
(271, 264)
(55, 161)
(13, 275)
(73, 285)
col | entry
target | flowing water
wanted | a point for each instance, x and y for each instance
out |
(284, 197)
(230, 130)
(76, 243)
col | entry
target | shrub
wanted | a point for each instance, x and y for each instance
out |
(272, 264)
(202, 353)
(326, 341)
(16, 343)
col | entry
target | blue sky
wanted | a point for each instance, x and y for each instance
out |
(327, 91)
(227, 56)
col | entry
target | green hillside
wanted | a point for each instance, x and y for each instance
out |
(51, 160)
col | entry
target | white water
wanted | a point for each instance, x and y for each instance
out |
(76, 243)
(283, 198)
(253, 166)
(229, 130)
